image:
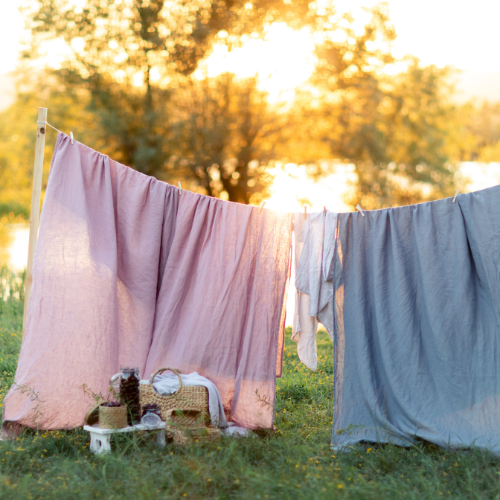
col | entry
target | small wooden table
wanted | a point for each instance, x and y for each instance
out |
(100, 439)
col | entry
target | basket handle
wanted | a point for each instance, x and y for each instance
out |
(157, 372)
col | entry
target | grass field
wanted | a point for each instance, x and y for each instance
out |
(293, 462)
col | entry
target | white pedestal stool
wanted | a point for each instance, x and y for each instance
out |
(100, 439)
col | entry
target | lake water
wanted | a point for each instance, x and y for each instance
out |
(14, 240)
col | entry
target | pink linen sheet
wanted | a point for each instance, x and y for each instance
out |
(220, 303)
(129, 273)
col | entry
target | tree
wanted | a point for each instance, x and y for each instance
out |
(481, 132)
(133, 63)
(134, 59)
(226, 132)
(131, 54)
(399, 131)
(68, 110)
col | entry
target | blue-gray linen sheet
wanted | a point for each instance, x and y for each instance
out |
(417, 331)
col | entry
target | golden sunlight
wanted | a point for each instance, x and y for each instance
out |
(293, 187)
(478, 175)
(282, 61)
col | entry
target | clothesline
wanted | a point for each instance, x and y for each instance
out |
(262, 205)
(51, 126)
(36, 196)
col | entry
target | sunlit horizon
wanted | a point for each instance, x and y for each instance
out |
(292, 187)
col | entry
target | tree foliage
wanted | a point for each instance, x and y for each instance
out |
(399, 130)
(480, 132)
(132, 73)
(417, 130)
(227, 131)
(130, 55)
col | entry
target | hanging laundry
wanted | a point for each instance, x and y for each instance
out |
(116, 264)
(417, 330)
(95, 279)
(314, 294)
(220, 309)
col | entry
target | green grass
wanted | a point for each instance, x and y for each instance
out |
(293, 462)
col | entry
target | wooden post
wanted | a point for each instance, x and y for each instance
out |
(35, 205)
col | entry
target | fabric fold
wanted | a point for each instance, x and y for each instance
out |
(329, 245)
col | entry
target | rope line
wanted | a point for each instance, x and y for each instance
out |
(47, 123)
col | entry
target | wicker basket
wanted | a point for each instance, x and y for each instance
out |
(194, 435)
(92, 416)
(112, 417)
(187, 397)
(181, 419)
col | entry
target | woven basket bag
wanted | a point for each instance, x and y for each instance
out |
(194, 435)
(187, 397)
(112, 417)
(187, 419)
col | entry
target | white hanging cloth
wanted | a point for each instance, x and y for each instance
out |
(314, 240)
